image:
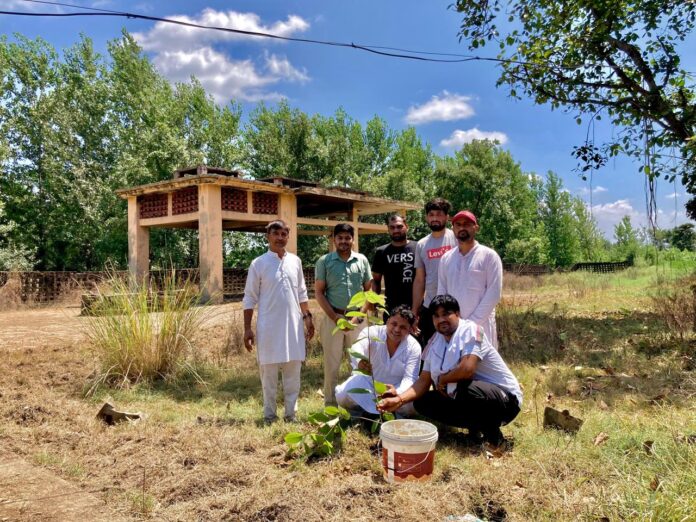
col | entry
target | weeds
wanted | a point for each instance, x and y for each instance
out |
(142, 335)
(676, 305)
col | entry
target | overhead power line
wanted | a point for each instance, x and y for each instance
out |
(392, 52)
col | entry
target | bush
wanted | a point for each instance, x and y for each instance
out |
(142, 333)
(676, 305)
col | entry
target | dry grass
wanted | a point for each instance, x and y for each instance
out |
(204, 454)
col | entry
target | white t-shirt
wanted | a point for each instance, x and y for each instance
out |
(469, 339)
(429, 251)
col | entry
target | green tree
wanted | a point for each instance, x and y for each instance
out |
(485, 179)
(620, 59)
(590, 239)
(559, 222)
(682, 237)
(626, 239)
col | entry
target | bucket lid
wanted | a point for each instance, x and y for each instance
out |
(408, 430)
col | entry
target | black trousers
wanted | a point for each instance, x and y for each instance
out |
(425, 324)
(478, 406)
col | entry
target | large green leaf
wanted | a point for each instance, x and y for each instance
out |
(293, 438)
(359, 390)
(357, 301)
(355, 313)
(375, 298)
(331, 410)
(343, 324)
(358, 355)
(380, 387)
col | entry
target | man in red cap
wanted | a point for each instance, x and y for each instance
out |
(473, 275)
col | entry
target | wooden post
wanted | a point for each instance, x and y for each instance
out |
(287, 211)
(210, 241)
(138, 243)
(354, 220)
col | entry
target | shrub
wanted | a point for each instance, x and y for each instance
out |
(140, 333)
(676, 305)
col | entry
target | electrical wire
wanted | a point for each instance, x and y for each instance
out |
(392, 52)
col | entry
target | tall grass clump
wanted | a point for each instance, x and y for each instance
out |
(676, 305)
(141, 333)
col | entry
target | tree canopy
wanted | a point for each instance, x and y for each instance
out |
(618, 59)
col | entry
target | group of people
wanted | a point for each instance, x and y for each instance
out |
(437, 351)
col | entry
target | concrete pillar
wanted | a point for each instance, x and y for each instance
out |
(138, 243)
(287, 211)
(210, 241)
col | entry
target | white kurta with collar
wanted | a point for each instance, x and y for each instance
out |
(277, 286)
(475, 280)
(399, 370)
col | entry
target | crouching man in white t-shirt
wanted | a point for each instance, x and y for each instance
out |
(394, 358)
(474, 388)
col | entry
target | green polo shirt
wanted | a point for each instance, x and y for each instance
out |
(343, 278)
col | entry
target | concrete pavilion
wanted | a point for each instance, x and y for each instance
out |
(213, 199)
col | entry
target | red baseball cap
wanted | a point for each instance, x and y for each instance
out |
(465, 214)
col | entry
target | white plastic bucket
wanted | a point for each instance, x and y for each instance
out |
(408, 450)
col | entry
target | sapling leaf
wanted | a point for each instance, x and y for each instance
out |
(358, 355)
(374, 320)
(375, 425)
(293, 438)
(355, 313)
(331, 410)
(359, 390)
(376, 339)
(318, 417)
(358, 300)
(380, 387)
(343, 413)
(375, 298)
(387, 416)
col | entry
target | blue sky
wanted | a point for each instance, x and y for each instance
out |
(447, 103)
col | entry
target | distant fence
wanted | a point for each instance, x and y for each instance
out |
(49, 287)
(601, 267)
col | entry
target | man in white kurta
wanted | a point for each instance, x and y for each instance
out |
(473, 275)
(393, 359)
(275, 283)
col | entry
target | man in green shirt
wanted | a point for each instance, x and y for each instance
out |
(339, 276)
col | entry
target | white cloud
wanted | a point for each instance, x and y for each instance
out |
(595, 190)
(446, 107)
(181, 52)
(280, 67)
(223, 78)
(673, 195)
(460, 137)
(166, 36)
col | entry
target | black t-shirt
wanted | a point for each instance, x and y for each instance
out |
(397, 266)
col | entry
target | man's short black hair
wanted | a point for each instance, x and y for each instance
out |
(445, 301)
(438, 204)
(278, 224)
(405, 312)
(392, 217)
(344, 227)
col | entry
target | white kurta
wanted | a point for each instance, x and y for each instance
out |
(277, 287)
(475, 280)
(400, 370)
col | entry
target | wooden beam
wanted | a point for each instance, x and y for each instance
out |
(287, 211)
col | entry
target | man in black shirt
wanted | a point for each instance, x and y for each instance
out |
(395, 262)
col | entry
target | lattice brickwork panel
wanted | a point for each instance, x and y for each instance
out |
(234, 200)
(153, 205)
(265, 203)
(185, 201)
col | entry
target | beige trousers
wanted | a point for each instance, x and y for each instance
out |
(334, 347)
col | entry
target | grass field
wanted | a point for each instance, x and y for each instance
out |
(597, 345)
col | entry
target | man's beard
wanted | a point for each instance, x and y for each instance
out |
(398, 237)
(436, 227)
(463, 236)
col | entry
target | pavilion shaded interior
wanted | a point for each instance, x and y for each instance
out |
(211, 200)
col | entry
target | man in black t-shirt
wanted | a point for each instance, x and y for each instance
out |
(395, 262)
